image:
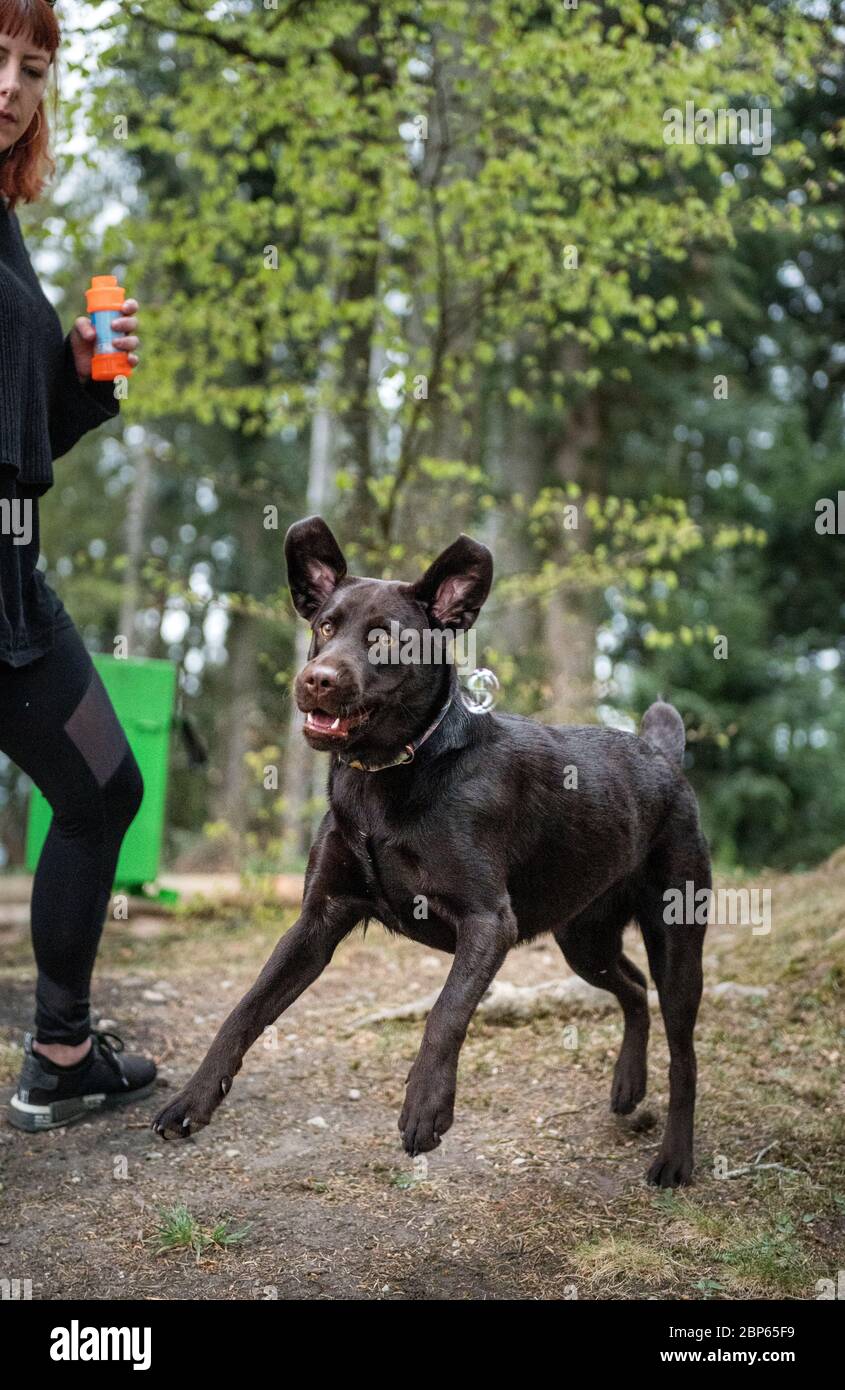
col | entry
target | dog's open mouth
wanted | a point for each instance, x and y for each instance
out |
(317, 721)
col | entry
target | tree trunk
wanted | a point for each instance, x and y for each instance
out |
(253, 573)
(514, 460)
(137, 510)
(242, 647)
(304, 770)
(570, 623)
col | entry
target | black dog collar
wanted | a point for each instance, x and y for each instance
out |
(407, 754)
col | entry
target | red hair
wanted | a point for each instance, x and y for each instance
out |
(25, 167)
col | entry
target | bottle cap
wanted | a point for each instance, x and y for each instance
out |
(105, 293)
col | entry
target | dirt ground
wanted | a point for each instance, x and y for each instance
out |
(537, 1191)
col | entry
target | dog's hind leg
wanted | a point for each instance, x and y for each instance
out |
(592, 946)
(633, 971)
(674, 954)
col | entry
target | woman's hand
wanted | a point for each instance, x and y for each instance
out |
(83, 337)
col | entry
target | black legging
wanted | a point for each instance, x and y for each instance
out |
(57, 723)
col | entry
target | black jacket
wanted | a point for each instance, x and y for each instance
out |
(44, 410)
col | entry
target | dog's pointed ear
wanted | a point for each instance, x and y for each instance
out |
(315, 564)
(456, 584)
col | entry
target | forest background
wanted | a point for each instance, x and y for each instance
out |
(437, 267)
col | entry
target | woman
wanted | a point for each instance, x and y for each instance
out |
(56, 720)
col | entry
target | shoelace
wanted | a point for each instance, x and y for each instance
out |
(107, 1051)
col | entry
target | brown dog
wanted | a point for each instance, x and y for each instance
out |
(480, 818)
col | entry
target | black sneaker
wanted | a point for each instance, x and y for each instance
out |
(49, 1095)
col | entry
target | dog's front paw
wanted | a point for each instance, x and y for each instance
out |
(191, 1110)
(429, 1107)
(671, 1169)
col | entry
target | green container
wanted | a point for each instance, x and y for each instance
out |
(142, 692)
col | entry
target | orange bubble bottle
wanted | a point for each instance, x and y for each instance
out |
(105, 298)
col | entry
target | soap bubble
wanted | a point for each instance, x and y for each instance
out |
(480, 691)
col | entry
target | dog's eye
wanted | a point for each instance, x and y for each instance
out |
(326, 628)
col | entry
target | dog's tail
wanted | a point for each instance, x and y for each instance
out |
(663, 728)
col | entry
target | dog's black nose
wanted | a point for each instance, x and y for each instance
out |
(320, 679)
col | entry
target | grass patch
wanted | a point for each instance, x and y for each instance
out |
(178, 1230)
(615, 1262)
(770, 1259)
